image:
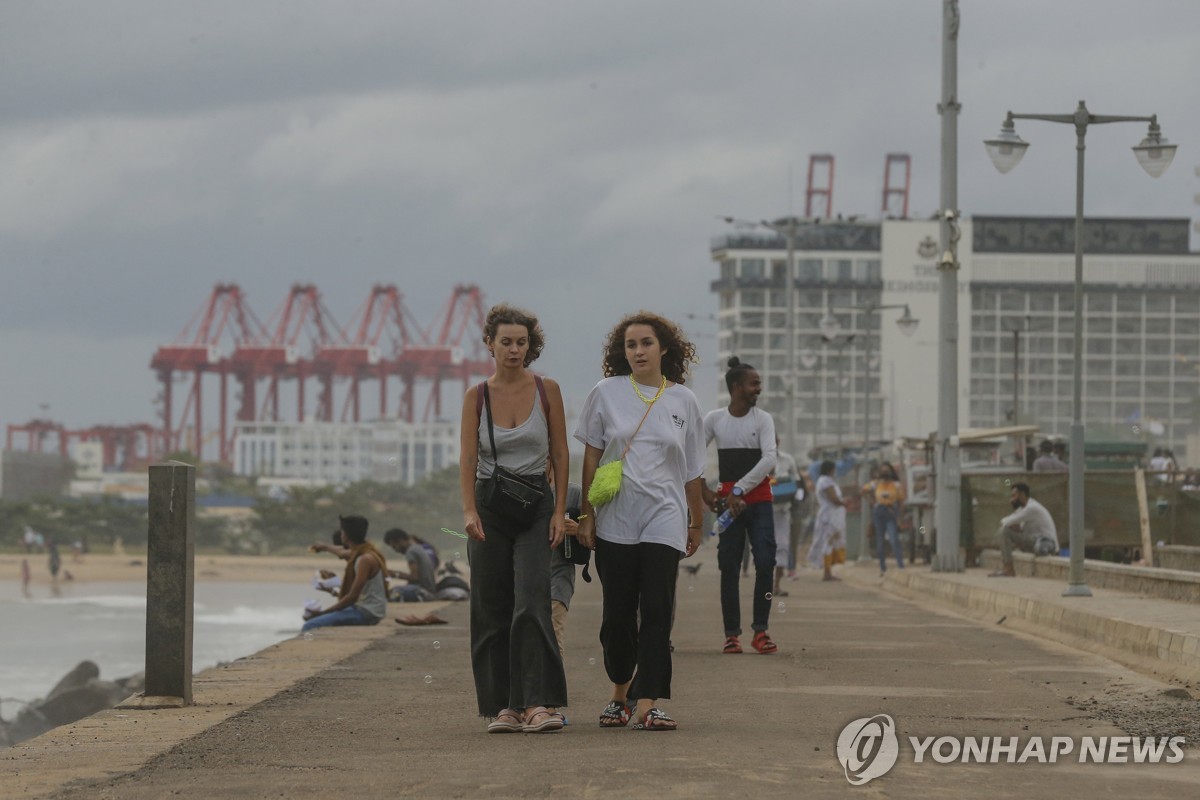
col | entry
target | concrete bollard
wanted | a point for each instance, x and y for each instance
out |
(170, 579)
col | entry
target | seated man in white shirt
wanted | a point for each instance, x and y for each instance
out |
(1029, 528)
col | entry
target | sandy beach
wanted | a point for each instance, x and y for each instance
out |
(108, 568)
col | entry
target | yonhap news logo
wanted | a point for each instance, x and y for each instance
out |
(868, 748)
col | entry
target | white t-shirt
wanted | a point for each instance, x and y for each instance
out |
(745, 446)
(667, 452)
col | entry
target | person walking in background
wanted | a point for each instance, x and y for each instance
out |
(829, 528)
(562, 570)
(1047, 461)
(642, 415)
(362, 596)
(785, 492)
(886, 494)
(745, 437)
(1030, 528)
(510, 423)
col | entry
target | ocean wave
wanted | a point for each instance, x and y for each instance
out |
(271, 617)
(103, 601)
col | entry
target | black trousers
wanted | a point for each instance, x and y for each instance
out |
(514, 653)
(638, 578)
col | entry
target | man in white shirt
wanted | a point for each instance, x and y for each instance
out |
(745, 437)
(1029, 528)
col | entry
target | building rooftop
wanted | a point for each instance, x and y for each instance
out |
(833, 235)
(1106, 235)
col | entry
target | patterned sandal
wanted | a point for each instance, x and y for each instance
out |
(507, 721)
(732, 645)
(614, 715)
(656, 720)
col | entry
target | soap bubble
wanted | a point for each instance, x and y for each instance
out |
(437, 645)
(592, 662)
(308, 637)
(429, 679)
(782, 607)
(393, 461)
(1137, 429)
(1007, 482)
(922, 530)
(457, 555)
(769, 595)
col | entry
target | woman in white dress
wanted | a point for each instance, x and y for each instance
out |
(829, 530)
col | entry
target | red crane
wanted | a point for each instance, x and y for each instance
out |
(302, 312)
(37, 432)
(370, 354)
(896, 186)
(458, 351)
(825, 190)
(197, 351)
(123, 447)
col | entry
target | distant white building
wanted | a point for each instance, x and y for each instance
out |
(1141, 365)
(337, 453)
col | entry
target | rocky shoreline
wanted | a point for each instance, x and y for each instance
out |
(80, 693)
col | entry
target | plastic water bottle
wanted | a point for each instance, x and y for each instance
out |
(722, 523)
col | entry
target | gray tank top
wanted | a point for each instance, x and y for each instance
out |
(522, 449)
(372, 601)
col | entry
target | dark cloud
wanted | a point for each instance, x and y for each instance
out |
(568, 156)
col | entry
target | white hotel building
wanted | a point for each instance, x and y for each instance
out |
(1142, 325)
(337, 453)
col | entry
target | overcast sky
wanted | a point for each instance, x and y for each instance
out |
(568, 156)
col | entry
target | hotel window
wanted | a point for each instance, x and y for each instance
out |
(843, 270)
(754, 268)
(1129, 302)
(1187, 304)
(1158, 303)
(809, 269)
(1129, 324)
(728, 269)
(752, 299)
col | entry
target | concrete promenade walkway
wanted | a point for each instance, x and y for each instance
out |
(384, 712)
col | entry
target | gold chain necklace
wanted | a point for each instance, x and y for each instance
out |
(649, 400)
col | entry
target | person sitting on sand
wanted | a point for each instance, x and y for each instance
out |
(362, 598)
(422, 584)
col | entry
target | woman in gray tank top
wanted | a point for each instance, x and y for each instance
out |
(514, 654)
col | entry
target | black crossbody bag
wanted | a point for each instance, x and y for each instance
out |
(507, 494)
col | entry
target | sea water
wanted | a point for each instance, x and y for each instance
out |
(44, 636)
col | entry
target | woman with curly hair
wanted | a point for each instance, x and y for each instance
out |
(512, 421)
(642, 414)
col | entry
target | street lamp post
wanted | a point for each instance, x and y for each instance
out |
(907, 325)
(1154, 155)
(839, 345)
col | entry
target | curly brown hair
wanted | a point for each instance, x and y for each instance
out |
(505, 314)
(678, 352)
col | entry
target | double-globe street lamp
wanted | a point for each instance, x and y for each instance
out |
(829, 327)
(1154, 155)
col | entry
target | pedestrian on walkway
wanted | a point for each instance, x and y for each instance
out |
(562, 569)
(886, 495)
(510, 423)
(1047, 461)
(786, 493)
(362, 595)
(745, 437)
(1030, 528)
(642, 414)
(829, 529)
